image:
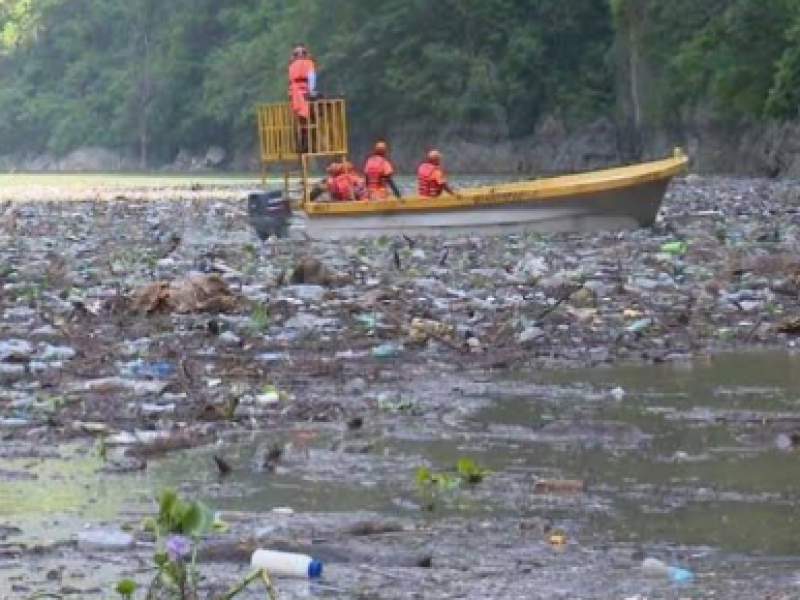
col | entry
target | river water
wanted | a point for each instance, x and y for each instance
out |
(697, 456)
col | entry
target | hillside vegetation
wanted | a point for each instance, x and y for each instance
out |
(148, 77)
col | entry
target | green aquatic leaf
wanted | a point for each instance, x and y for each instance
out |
(220, 526)
(149, 525)
(166, 500)
(445, 482)
(179, 514)
(126, 588)
(198, 520)
(469, 471)
(423, 476)
(160, 559)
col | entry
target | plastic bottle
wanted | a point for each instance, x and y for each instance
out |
(679, 575)
(156, 370)
(655, 568)
(676, 248)
(639, 325)
(287, 564)
(385, 351)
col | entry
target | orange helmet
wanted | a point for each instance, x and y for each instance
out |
(381, 147)
(434, 156)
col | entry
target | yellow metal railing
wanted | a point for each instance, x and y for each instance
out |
(290, 143)
(284, 137)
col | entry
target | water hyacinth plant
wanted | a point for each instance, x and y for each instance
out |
(431, 486)
(179, 528)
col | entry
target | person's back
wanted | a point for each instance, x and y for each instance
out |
(379, 172)
(431, 180)
(357, 183)
(429, 177)
(343, 188)
(376, 169)
(331, 186)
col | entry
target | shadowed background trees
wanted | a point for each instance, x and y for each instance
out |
(148, 77)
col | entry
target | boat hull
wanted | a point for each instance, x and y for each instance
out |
(621, 198)
(621, 209)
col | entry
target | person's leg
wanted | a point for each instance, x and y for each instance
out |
(301, 131)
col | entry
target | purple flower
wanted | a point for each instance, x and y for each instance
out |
(178, 547)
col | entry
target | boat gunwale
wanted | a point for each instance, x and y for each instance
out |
(562, 187)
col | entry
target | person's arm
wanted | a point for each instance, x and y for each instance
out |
(442, 183)
(318, 189)
(312, 82)
(316, 192)
(393, 186)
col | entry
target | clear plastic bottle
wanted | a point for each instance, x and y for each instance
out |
(653, 567)
(287, 564)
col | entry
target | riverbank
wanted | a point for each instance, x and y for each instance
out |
(751, 149)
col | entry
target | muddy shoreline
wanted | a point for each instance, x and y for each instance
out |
(360, 360)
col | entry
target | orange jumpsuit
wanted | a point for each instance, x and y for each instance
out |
(377, 170)
(356, 182)
(343, 189)
(430, 180)
(300, 71)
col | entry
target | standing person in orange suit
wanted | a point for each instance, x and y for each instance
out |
(302, 76)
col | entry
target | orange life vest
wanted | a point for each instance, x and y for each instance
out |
(342, 188)
(299, 71)
(430, 180)
(376, 171)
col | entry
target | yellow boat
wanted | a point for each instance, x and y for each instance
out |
(616, 198)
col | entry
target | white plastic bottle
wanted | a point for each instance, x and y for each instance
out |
(287, 564)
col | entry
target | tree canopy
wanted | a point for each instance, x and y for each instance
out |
(150, 77)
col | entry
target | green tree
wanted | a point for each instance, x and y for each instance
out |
(149, 77)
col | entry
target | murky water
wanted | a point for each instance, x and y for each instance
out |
(687, 455)
(714, 473)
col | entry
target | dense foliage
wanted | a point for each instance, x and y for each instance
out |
(738, 59)
(150, 77)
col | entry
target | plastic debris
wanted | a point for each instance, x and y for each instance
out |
(421, 329)
(653, 567)
(676, 248)
(155, 370)
(639, 325)
(386, 351)
(105, 541)
(15, 350)
(287, 564)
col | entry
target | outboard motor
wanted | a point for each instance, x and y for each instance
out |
(270, 214)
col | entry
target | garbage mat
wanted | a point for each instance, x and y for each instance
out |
(270, 214)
